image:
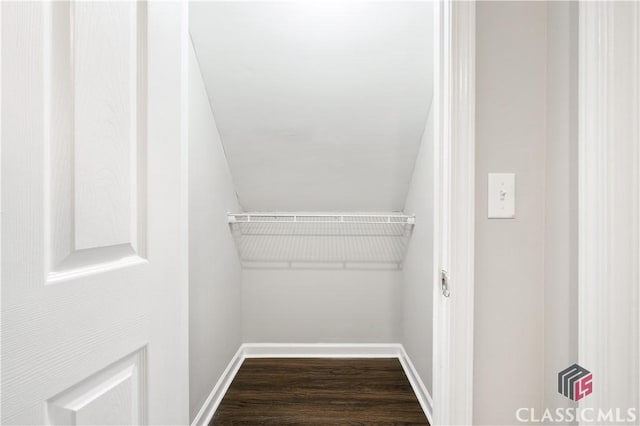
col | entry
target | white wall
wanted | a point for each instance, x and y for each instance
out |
(320, 104)
(510, 137)
(307, 306)
(214, 269)
(561, 217)
(417, 290)
(526, 268)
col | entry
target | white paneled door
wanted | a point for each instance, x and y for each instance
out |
(94, 243)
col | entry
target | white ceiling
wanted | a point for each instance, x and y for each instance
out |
(320, 105)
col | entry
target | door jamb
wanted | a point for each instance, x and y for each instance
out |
(454, 211)
(609, 201)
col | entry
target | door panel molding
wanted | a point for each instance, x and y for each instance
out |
(94, 74)
(123, 382)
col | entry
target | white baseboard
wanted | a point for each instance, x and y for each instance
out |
(313, 350)
(210, 405)
(322, 350)
(417, 384)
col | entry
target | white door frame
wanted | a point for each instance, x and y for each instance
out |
(609, 201)
(454, 211)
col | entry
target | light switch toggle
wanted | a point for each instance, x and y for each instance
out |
(502, 196)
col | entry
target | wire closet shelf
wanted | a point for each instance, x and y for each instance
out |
(322, 240)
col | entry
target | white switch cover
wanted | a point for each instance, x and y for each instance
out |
(502, 195)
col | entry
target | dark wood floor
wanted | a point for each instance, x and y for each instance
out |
(320, 391)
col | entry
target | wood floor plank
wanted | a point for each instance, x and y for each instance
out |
(320, 391)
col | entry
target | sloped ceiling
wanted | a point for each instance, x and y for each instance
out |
(321, 106)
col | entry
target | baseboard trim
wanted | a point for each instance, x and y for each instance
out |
(212, 402)
(313, 350)
(321, 350)
(424, 398)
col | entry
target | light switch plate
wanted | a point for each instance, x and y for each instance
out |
(502, 196)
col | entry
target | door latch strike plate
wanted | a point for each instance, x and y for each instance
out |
(444, 283)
